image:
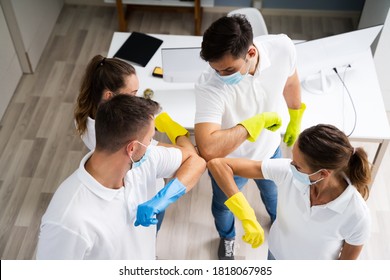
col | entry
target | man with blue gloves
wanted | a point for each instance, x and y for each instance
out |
(243, 91)
(178, 135)
(97, 212)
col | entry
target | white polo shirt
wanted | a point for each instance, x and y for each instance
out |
(318, 232)
(89, 135)
(228, 105)
(86, 220)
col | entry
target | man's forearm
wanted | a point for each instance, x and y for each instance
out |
(220, 143)
(191, 170)
(185, 142)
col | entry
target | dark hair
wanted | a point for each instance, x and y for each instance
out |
(121, 119)
(227, 35)
(101, 74)
(325, 146)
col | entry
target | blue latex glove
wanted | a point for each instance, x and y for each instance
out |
(146, 212)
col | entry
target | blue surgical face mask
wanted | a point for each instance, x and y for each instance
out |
(143, 158)
(234, 78)
(303, 177)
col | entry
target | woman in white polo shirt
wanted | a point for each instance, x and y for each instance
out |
(322, 212)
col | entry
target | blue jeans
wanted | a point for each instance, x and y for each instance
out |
(270, 257)
(224, 219)
(160, 217)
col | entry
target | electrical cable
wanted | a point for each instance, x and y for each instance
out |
(349, 95)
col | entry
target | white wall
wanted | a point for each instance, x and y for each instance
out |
(382, 61)
(10, 70)
(36, 20)
(25, 28)
(374, 13)
(30, 23)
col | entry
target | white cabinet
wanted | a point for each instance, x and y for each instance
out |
(10, 70)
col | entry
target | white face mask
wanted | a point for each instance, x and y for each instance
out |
(234, 78)
(303, 177)
(143, 158)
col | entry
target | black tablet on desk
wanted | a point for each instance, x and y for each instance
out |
(139, 48)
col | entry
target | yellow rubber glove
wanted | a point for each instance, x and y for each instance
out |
(294, 126)
(254, 125)
(254, 233)
(165, 124)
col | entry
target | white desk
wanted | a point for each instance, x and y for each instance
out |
(178, 99)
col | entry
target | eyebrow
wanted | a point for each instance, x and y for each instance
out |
(294, 164)
(230, 68)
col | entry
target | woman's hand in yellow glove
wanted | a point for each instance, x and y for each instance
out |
(254, 233)
(165, 124)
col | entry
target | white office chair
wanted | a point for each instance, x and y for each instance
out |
(255, 18)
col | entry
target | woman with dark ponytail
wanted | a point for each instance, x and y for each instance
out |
(322, 212)
(103, 78)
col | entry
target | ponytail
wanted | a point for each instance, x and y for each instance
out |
(359, 171)
(101, 74)
(325, 146)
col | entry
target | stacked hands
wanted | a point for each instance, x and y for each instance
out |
(254, 233)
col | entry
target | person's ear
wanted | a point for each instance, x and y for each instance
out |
(130, 148)
(107, 95)
(252, 51)
(325, 173)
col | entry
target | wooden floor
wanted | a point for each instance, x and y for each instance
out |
(39, 147)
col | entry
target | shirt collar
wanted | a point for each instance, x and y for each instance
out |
(264, 61)
(341, 202)
(94, 186)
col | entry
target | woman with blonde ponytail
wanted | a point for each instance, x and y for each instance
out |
(322, 212)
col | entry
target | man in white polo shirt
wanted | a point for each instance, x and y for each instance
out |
(248, 79)
(107, 208)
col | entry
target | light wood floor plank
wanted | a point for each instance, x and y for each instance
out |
(15, 242)
(30, 204)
